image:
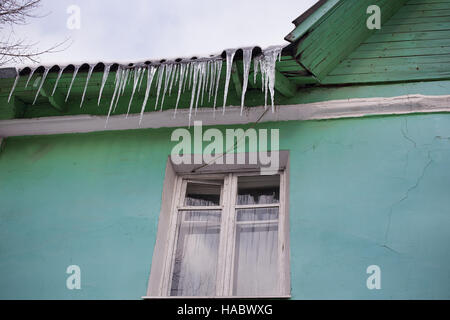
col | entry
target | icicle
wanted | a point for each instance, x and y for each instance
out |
(46, 70)
(177, 74)
(30, 76)
(71, 82)
(174, 72)
(230, 55)
(125, 81)
(188, 68)
(151, 70)
(159, 82)
(137, 75)
(256, 62)
(57, 80)
(122, 83)
(194, 69)
(88, 77)
(142, 77)
(270, 57)
(219, 72)
(247, 59)
(199, 83)
(190, 74)
(169, 68)
(208, 71)
(180, 85)
(204, 79)
(104, 78)
(116, 88)
(212, 78)
(14, 84)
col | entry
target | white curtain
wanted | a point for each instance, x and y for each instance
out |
(194, 270)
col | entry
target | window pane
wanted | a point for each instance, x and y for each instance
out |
(256, 253)
(196, 253)
(258, 190)
(202, 194)
(257, 214)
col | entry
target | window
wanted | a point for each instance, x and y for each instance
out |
(223, 234)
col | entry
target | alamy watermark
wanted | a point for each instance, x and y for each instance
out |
(228, 150)
(374, 280)
(74, 280)
(374, 20)
(74, 20)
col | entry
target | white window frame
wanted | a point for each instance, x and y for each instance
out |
(165, 246)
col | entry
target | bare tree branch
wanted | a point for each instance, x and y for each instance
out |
(16, 12)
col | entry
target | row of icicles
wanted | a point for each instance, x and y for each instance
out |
(201, 76)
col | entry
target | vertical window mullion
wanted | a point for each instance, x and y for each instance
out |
(221, 270)
(282, 236)
(173, 233)
(230, 234)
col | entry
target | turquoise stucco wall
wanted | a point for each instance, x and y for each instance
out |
(363, 192)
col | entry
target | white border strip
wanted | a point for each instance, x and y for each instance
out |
(334, 109)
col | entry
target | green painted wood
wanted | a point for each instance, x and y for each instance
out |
(441, 5)
(409, 36)
(56, 100)
(428, 26)
(394, 45)
(314, 19)
(408, 20)
(401, 51)
(283, 85)
(376, 90)
(236, 80)
(410, 52)
(409, 2)
(425, 13)
(387, 77)
(325, 46)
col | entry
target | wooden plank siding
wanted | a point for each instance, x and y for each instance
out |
(413, 45)
(329, 42)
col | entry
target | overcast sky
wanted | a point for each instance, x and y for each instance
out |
(133, 30)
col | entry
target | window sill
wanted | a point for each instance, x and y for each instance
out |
(217, 297)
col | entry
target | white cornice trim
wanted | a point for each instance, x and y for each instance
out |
(334, 109)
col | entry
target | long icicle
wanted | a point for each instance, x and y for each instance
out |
(219, 72)
(71, 82)
(229, 59)
(14, 84)
(271, 56)
(180, 85)
(151, 70)
(159, 82)
(169, 68)
(204, 79)
(194, 69)
(88, 77)
(142, 77)
(30, 76)
(212, 79)
(104, 78)
(246, 60)
(116, 88)
(199, 84)
(41, 84)
(58, 77)
(188, 67)
(172, 80)
(137, 75)
(123, 83)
